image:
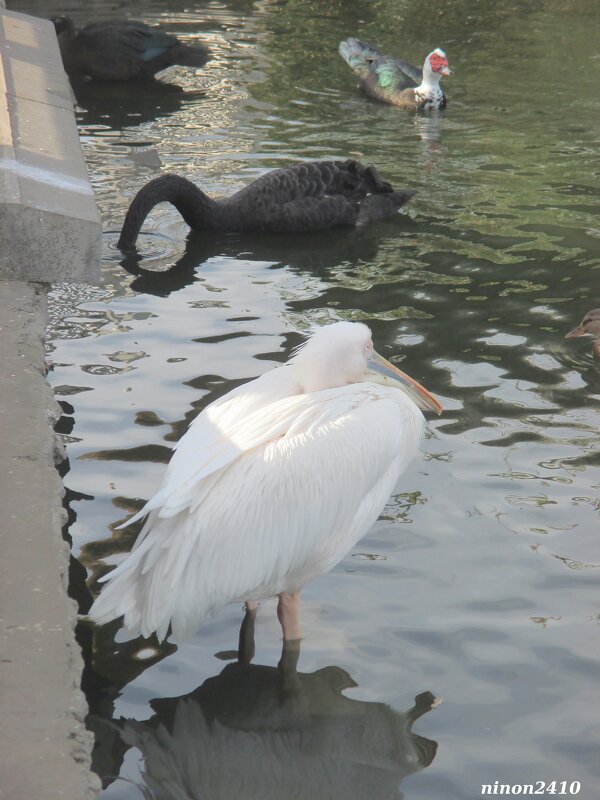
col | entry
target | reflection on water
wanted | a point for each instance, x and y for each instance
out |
(151, 100)
(480, 578)
(318, 253)
(257, 731)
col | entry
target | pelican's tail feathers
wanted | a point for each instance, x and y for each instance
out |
(160, 583)
(119, 596)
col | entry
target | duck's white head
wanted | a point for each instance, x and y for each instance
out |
(343, 353)
(435, 66)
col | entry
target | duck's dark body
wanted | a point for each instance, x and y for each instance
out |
(310, 196)
(122, 50)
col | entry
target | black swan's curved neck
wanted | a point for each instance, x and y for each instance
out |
(197, 209)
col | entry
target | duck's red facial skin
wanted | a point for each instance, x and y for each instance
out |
(439, 64)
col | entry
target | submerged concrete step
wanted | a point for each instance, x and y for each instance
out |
(50, 228)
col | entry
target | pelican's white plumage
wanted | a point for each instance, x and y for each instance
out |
(271, 486)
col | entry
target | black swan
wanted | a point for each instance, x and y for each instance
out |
(397, 82)
(589, 326)
(310, 196)
(122, 50)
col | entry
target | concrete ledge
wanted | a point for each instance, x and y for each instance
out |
(50, 229)
(44, 745)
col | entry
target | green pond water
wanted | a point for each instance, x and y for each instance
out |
(479, 583)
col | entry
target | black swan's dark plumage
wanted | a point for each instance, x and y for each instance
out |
(310, 196)
(121, 50)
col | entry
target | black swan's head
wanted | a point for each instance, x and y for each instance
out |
(63, 25)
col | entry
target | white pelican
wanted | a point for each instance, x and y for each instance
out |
(271, 486)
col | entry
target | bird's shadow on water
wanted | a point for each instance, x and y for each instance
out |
(128, 104)
(315, 252)
(271, 732)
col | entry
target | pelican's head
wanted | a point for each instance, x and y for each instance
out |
(343, 353)
(436, 65)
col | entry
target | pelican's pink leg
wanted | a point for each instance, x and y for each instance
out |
(287, 614)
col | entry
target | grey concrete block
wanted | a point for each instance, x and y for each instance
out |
(44, 745)
(50, 229)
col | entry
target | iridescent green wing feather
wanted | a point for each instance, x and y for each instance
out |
(395, 75)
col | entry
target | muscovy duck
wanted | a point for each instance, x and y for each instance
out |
(309, 196)
(397, 82)
(122, 50)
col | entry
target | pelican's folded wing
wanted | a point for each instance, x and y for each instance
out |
(218, 435)
(243, 422)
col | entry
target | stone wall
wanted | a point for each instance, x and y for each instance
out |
(49, 225)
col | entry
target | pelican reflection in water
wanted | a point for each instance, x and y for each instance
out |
(274, 733)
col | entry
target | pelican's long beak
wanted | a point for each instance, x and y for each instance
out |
(385, 373)
(578, 331)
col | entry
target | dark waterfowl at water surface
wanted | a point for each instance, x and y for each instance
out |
(121, 50)
(589, 326)
(309, 196)
(397, 82)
